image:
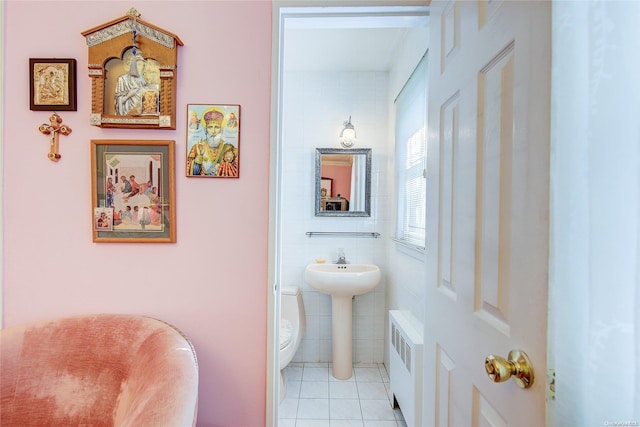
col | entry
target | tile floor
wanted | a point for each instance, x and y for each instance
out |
(314, 398)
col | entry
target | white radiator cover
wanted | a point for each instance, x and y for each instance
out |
(405, 358)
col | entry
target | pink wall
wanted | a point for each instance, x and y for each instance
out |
(341, 179)
(212, 283)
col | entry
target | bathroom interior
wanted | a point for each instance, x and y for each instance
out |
(339, 66)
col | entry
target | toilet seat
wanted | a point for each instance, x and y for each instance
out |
(285, 332)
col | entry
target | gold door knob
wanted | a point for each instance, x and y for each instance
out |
(518, 366)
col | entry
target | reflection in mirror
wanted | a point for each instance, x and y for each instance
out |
(343, 182)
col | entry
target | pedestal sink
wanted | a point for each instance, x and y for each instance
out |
(342, 282)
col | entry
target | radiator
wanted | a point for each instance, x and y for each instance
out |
(405, 358)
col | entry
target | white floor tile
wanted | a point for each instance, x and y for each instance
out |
(376, 410)
(312, 423)
(315, 374)
(288, 408)
(344, 409)
(346, 423)
(343, 390)
(292, 389)
(372, 390)
(313, 409)
(370, 423)
(314, 390)
(293, 373)
(367, 374)
(287, 422)
(387, 387)
(384, 373)
(314, 398)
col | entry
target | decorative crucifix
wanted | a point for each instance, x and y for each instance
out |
(52, 129)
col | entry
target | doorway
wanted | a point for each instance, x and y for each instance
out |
(319, 40)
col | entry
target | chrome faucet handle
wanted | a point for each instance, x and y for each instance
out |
(342, 259)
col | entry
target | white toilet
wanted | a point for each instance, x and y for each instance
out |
(292, 325)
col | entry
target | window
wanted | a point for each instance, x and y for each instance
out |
(411, 156)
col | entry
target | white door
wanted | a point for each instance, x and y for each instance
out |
(487, 209)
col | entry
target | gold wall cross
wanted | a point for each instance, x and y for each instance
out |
(52, 129)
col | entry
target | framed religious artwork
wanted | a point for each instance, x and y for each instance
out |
(325, 187)
(133, 191)
(53, 84)
(213, 140)
(103, 219)
(133, 70)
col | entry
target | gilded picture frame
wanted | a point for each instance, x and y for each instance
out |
(133, 184)
(52, 84)
(213, 141)
(133, 67)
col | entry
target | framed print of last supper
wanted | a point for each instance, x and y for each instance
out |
(133, 184)
(213, 141)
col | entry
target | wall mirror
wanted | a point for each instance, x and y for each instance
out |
(343, 182)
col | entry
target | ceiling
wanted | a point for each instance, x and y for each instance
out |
(351, 49)
(348, 40)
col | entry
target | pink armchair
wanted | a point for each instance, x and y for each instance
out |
(97, 370)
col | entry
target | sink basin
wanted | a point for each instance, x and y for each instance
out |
(342, 279)
(342, 282)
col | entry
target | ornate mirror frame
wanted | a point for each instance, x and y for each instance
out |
(366, 180)
(109, 44)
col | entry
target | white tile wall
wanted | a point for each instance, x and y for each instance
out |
(316, 105)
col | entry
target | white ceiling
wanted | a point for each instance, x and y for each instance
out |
(369, 49)
(348, 40)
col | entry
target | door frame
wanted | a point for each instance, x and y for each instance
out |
(556, 329)
(282, 10)
(2, 23)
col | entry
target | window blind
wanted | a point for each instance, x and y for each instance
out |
(411, 154)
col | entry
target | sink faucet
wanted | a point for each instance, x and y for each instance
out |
(341, 257)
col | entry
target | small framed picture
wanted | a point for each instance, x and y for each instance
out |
(213, 141)
(53, 84)
(325, 187)
(103, 219)
(134, 181)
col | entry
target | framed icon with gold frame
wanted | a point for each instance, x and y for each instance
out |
(133, 71)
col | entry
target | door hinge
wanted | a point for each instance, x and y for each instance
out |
(551, 381)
